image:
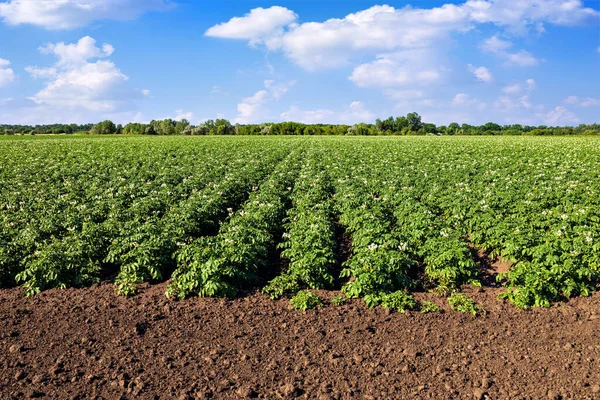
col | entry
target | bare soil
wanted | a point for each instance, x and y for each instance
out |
(92, 344)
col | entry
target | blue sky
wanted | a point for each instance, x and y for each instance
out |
(508, 61)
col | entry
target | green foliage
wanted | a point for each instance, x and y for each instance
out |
(399, 301)
(106, 127)
(428, 306)
(410, 124)
(219, 265)
(338, 300)
(309, 241)
(305, 300)
(413, 212)
(461, 303)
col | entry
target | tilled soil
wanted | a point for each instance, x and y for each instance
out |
(92, 344)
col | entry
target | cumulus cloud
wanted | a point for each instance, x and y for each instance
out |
(376, 29)
(397, 69)
(582, 101)
(559, 116)
(75, 82)
(253, 108)
(41, 73)
(7, 75)
(499, 47)
(68, 14)
(354, 113)
(90, 86)
(524, 14)
(75, 54)
(260, 25)
(385, 29)
(481, 73)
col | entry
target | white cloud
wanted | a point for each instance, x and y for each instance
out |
(260, 25)
(41, 73)
(385, 29)
(559, 116)
(409, 94)
(7, 75)
(513, 88)
(145, 92)
(582, 101)
(398, 69)
(522, 58)
(507, 103)
(372, 31)
(68, 14)
(250, 105)
(277, 90)
(5, 101)
(460, 98)
(90, 86)
(481, 73)
(517, 96)
(76, 82)
(75, 54)
(500, 48)
(523, 14)
(464, 100)
(180, 114)
(354, 113)
(253, 108)
(495, 45)
(518, 88)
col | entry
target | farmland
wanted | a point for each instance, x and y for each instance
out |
(220, 216)
(179, 265)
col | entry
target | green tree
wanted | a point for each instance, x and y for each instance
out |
(106, 127)
(180, 126)
(414, 121)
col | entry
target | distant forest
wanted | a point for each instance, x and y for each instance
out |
(411, 124)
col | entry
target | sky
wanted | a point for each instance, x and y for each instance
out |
(531, 62)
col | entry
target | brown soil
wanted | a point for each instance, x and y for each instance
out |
(489, 267)
(89, 343)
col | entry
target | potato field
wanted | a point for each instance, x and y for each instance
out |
(377, 218)
(299, 267)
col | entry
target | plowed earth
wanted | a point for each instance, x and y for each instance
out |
(92, 344)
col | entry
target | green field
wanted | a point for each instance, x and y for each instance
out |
(220, 215)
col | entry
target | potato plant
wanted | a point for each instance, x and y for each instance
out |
(212, 214)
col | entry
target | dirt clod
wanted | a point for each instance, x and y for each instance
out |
(15, 348)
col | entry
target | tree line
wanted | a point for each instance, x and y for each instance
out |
(411, 124)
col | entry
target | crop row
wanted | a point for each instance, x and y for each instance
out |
(220, 215)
